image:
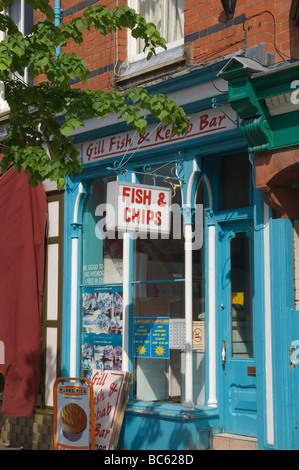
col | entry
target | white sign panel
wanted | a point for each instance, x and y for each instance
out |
(110, 396)
(138, 208)
(204, 123)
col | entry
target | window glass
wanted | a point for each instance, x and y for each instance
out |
(241, 296)
(101, 292)
(101, 255)
(22, 14)
(235, 181)
(159, 313)
(167, 15)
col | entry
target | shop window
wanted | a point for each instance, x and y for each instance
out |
(101, 292)
(167, 15)
(159, 310)
(158, 291)
(235, 178)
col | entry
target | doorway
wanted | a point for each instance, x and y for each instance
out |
(238, 366)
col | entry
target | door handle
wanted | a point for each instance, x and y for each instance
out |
(223, 352)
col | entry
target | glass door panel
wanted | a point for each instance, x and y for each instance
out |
(241, 296)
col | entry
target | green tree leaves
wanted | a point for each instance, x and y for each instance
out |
(35, 140)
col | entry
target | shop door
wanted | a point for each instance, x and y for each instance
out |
(236, 329)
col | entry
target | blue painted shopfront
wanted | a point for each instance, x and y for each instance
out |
(241, 288)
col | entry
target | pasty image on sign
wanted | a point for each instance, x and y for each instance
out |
(73, 421)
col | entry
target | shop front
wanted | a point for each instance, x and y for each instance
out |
(183, 308)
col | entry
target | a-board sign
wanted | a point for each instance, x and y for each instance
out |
(73, 414)
(110, 397)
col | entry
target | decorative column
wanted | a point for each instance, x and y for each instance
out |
(192, 174)
(212, 401)
(74, 344)
(187, 215)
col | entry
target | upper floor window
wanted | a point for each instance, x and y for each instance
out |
(167, 15)
(22, 15)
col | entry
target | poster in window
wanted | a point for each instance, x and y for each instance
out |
(151, 337)
(101, 337)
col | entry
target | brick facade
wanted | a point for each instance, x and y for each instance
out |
(210, 35)
(262, 30)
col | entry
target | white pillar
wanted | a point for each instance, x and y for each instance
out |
(74, 290)
(268, 331)
(188, 403)
(126, 301)
(212, 401)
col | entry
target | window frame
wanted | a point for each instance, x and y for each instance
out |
(4, 108)
(132, 56)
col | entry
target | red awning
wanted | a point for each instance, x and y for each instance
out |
(23, 215)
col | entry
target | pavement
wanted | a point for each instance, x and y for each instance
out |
(8, 447)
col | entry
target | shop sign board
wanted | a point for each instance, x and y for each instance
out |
(151, 337)
(73, 414)
(201, 124)
(111, 391)
(138, 208)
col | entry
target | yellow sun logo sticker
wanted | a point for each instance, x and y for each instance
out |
(141, 350)
(160, 351)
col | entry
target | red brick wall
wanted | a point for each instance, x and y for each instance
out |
(212, 35)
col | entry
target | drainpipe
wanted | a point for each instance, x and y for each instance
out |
(57, 13)
(57, 19)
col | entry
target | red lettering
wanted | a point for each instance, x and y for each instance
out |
(149, 216)
(126, 217)
(113, 388)
(135, 215)
(158, 134)
(97, 429)
(112, 142)
(142, 138)
(138, 198)
(98, 379)
(190, 126)
(89, 151)
(158, 220)
(221, 119)
(99, 397)
(147, 197)
(203, 122)
(213, 122)
(126, 192)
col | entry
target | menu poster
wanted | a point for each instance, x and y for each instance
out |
(73, 414)
(101, 337)
(151, 337)
(111, 391)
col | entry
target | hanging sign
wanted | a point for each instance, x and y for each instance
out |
(73, 414)
(138, 208)
(110, 397)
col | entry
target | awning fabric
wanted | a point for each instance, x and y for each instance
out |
(23, 215)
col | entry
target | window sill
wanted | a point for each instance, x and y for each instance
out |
(170, 61)
(168, 410)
